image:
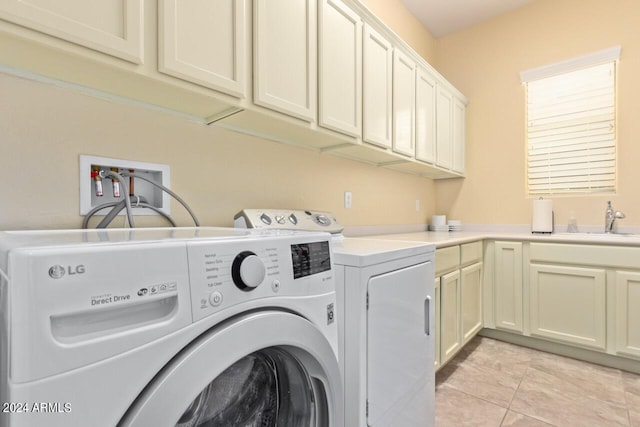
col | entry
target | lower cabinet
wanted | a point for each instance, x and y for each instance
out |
(471, 301)
(508, 286)
(568, 304)
(627, 340)
(585, 296)
(458, 298)
(450, 332)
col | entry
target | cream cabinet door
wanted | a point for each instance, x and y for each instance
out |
(425, 116)
(285, 56)
(444, 128)
(458, 136)
(404, 82)
(471, 301)
(377, 81)
(436, 287)
(628, 313)
(568, 304)
(112, 27)
(450, 330)
(340, 78)
(205, 43)
(508, 286)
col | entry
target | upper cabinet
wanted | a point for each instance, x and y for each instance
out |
(444, 128)
(450, 130)
(377, 80)
(324, 74)
(404, 88)
(205, 42)
(458, 136)
(425, 116)
(285, 52)
(340, 65)
(112, 27)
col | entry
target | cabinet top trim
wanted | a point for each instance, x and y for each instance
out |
(376, 23)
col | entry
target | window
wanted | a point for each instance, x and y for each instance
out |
(571, 125)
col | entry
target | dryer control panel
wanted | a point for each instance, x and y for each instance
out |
(288, 219)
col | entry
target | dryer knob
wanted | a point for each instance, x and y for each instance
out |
(247, 270)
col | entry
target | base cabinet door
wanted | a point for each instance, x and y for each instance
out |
(450, 338)
(628, 313)
(471, 301)
(568, 304)
(205, 43)
(508, 286)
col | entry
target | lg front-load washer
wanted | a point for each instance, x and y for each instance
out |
(168, 327)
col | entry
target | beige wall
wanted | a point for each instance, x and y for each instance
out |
(43, 129)
(484, 62)
(397, 17)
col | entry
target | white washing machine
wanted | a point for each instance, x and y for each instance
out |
(386, 317)
(168, 327)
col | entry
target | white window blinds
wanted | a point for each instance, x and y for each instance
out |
(571, 129)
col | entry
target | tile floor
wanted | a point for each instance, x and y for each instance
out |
(492, 383)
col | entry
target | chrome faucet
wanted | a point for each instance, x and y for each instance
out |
(610, 218)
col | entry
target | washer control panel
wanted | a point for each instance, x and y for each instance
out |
(229, 273)
(291, 219)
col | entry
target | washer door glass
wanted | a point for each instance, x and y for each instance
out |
(264, 389)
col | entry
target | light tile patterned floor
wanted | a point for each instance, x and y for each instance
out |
(492, 383)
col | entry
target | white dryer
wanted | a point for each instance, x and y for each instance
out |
(386, 317)
(168, 327)
(385, 301)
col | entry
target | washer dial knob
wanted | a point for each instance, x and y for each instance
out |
(266, 219)
(247, 270)
(322, 220)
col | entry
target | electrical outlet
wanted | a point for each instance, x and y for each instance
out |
(347, 199)
(90, 187)
(417, 205)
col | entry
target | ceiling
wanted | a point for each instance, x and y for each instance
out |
(442, 17)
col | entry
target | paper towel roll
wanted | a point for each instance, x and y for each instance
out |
(542, 216)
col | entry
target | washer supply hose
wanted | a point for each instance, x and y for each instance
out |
(117, 207)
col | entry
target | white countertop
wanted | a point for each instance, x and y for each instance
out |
(444, 239)
(362, 252)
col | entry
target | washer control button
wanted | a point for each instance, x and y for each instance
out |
(265, 219)
(280, 219)
(215, 298)
(275, 285)
(293, 219)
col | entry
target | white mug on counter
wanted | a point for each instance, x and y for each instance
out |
(439, 220)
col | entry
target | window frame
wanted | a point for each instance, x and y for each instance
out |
(584, 184)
